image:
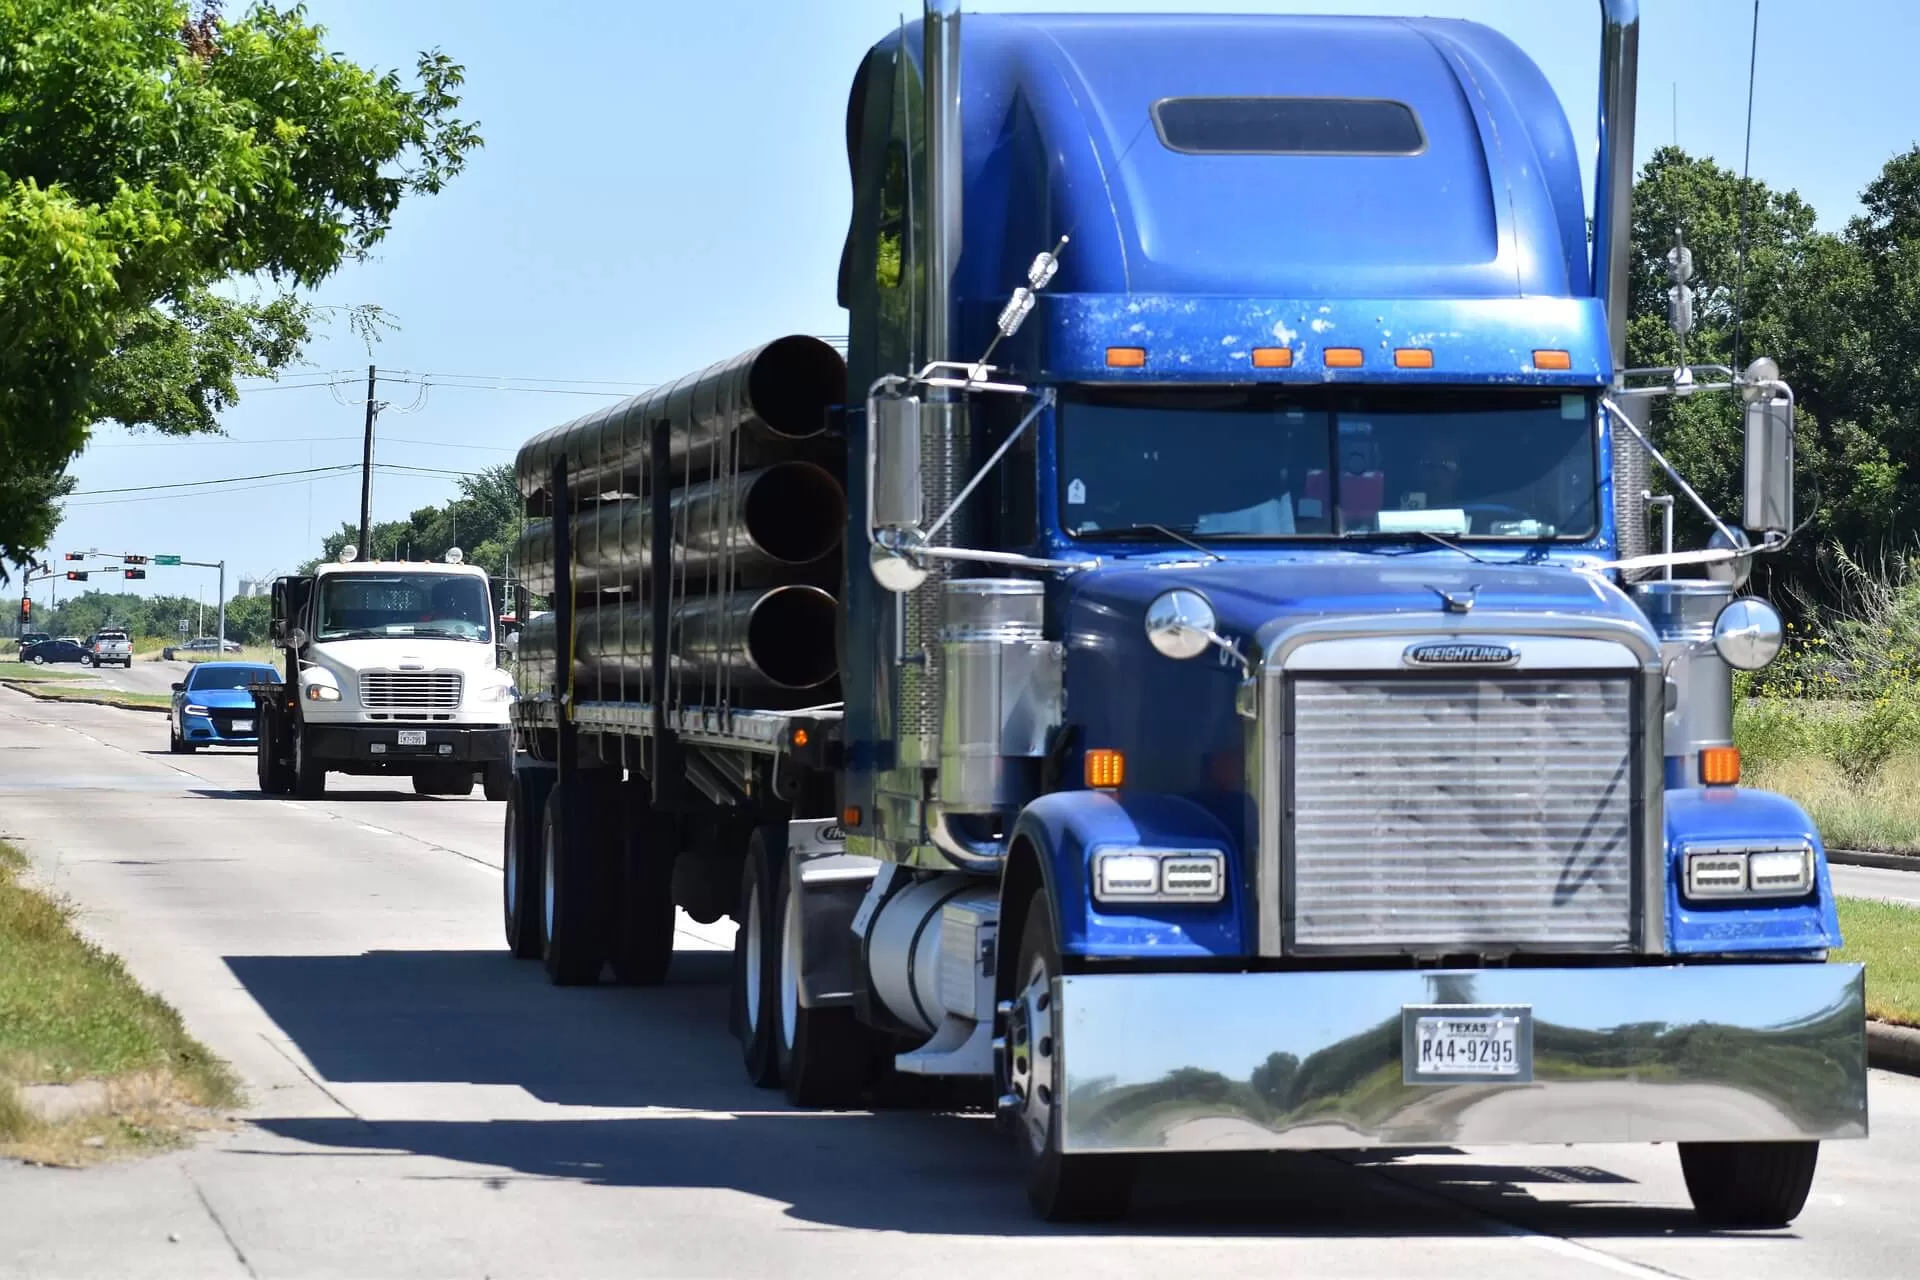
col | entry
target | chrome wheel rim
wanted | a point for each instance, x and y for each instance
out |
(751, 978)
(546, 889)
(790, 969)
(1030, 1055)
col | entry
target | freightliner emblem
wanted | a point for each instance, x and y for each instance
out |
(1451, 653)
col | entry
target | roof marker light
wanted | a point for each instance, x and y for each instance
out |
(1344, 357)
(1273, 357)
(1560, 360)
(1126, 357)
(1413, 358)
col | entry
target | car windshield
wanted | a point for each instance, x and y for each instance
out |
(205, 678)
(357, 605)
(1260, 464)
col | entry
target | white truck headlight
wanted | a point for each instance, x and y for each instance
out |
(1748, 871)
(1159, 875)
(322, 693)
(501, 692)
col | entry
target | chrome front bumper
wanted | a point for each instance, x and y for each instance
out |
(1295, 1061)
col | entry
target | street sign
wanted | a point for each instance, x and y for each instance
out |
(166, 559)
(183, 626)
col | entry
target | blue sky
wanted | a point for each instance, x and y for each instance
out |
(664, 184)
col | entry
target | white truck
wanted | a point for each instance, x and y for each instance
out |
(108, 647)
(390, 668)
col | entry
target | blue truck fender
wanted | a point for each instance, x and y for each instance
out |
(1734, 817)
(1052, 846)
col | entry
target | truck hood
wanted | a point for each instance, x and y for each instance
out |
(402, 653)
(1108, 605)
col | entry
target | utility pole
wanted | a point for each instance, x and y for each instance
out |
(366, 466)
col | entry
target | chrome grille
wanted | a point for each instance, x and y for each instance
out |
(410, 688)
(1450, 814)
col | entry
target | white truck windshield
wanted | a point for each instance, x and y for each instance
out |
(1273, 463)
(372, 605)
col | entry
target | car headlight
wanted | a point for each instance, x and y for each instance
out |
(1749, 872)
(1159, 875)
(322, 693)
(195, 709)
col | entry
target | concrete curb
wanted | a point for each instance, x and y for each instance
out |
(1893, 1048)
(1885, 861)
(31, 692)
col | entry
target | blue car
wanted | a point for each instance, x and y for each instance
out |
(212, 707)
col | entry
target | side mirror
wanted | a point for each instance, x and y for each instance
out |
(179, 686)
(297, 638)
(1748, 634)
(1769, 466)
(893, 446)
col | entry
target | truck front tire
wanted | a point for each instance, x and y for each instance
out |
(274, 777)
(309, 774)
(1748, 1184)
(825, 1056)
(496, 779)
(1060, 1187)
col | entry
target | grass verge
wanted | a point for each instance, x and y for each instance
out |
(70, 1013)
(1880, 813)
(48, 691)
(1886, 938)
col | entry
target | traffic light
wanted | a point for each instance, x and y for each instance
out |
(76, 575)
(135, 560)
(26, 609)
(76, 555)
(136, 573)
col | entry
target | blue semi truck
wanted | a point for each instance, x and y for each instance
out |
(1196, 674)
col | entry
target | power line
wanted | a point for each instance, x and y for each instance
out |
(337, 473)
(189, 484)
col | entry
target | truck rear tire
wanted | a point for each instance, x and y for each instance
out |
(1748, 1184)
(755, 945)
(309, 774)
(573, 893)
(520, 890)
(1060, 1187)
(825, 1056)
(641, 951)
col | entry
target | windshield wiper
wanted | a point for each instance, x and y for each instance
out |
(355, 633)
(1135, 530)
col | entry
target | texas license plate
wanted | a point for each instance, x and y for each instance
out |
(413, 737)
(1450, 1044)
(243, 726)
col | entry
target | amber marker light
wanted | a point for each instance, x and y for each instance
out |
(1106, 769)
(1413, 358)
(1344, 357)
(801, 738)
(1126, 357)
(1273, 357)
(850, 816)
(1559, 360)
(1720, 766)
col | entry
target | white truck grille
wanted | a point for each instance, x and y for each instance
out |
(409, 689)
(1435, 815)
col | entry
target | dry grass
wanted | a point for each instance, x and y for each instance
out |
(70, 1012)
(1886, 938)
(1881, 812)
(53, 692)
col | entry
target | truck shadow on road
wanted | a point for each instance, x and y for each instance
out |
(479, 1018)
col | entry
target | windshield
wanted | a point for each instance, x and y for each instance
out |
(205, 678)
(1257, 463)
(369, 605)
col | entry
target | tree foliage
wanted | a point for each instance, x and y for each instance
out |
(150, 157)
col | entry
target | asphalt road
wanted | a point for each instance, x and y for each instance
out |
(424, 1106)
(1874, 882)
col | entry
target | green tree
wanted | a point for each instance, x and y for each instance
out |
(151, 155)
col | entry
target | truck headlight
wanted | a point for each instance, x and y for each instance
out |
(322, 693)
(1774, 871)
(499, 692)
(1159, 875)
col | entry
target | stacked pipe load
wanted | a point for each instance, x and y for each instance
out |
(758, 511)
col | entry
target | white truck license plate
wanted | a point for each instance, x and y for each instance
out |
(1474, 1043)
(413, 737)
(243, 726)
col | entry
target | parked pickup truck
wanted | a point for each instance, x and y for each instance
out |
(104, 648)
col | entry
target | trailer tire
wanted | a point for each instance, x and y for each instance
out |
(825, 1056)
(1060, 1187)
(754, 944)
(1748, 1184)
(495, 779)
(520, 890)
(309, 774)
(573, 894)
(642, 947)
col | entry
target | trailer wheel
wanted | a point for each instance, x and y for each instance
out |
(572, 895)
(309, 774)
(1748, 1184)
(642, 948)
(754, 948)
(520, 890)
(825, 1056)
(1060, 1187)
